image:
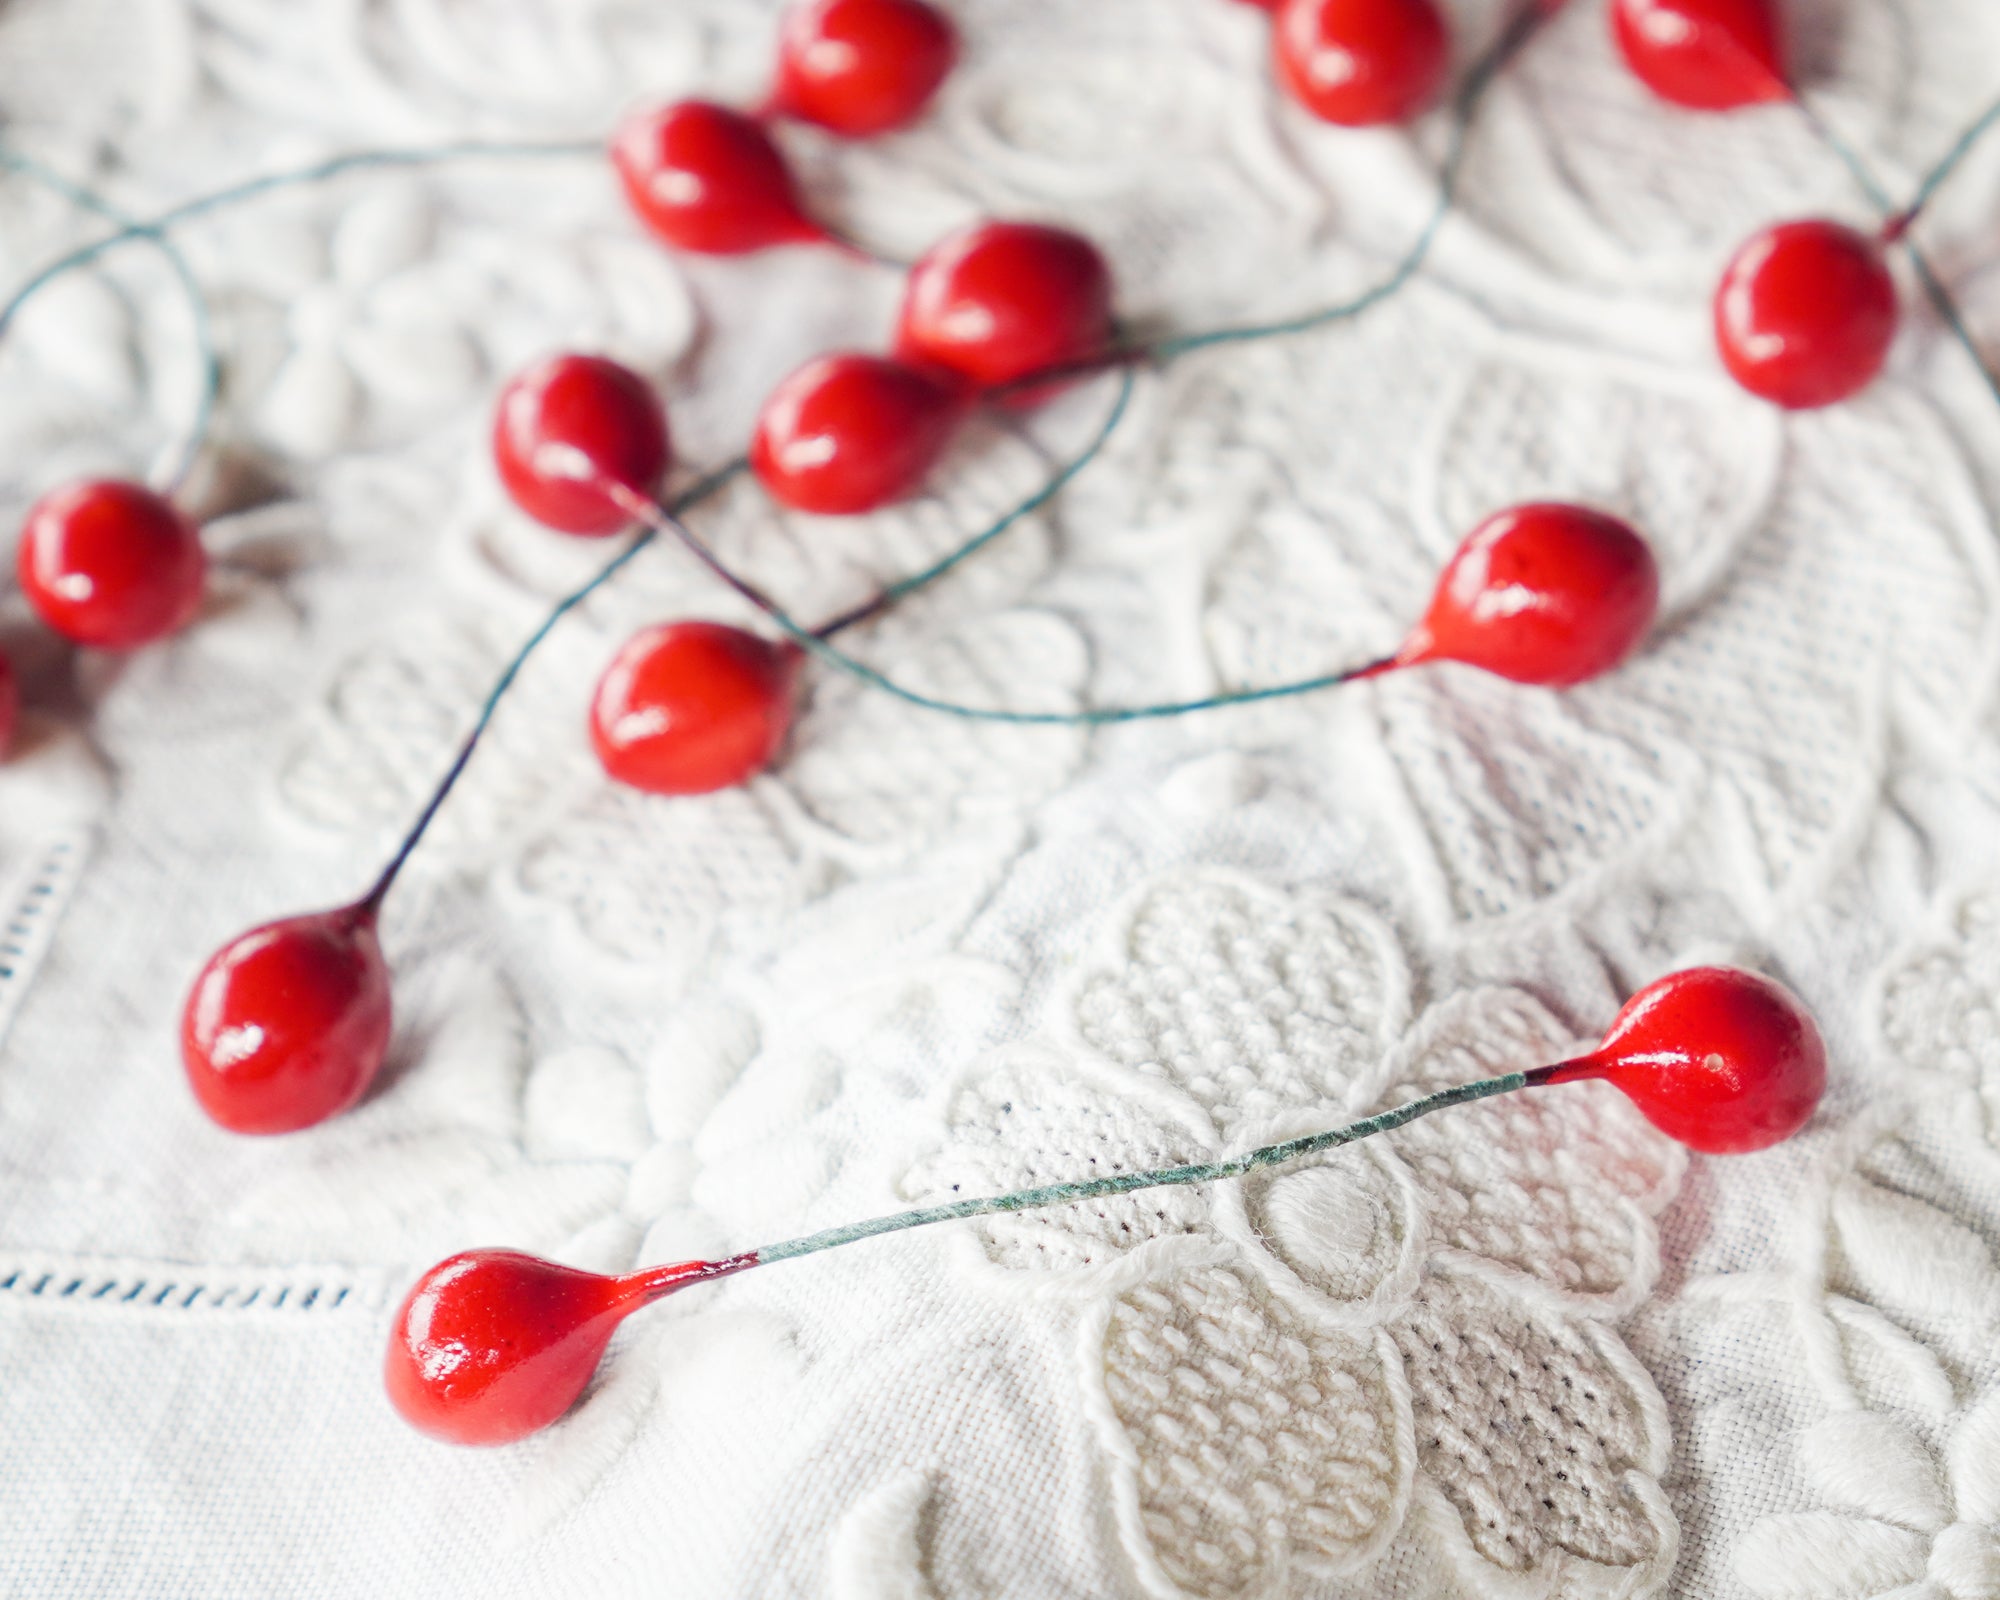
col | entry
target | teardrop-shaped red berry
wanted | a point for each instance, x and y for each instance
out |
(692, 707)
(709, 179)
(10, 704)
(847, 433)
(861, 67)
(492, 1345)
(1360, 62)
(1725, 1061)
(566, 427)
(1805, 313)
(287, 1024)
(999, 301)
(1547, 594)
(111, 564)
(1707, 55)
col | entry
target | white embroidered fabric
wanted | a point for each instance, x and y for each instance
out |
(1520, 1351)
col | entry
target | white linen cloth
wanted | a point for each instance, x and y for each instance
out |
(1524, 1349)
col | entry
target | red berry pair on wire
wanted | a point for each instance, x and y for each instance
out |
(710, 179)
(1806, 311)
(984, 310)
(491, 1346)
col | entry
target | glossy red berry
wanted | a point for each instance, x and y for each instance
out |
(1546, 594)
(1722, 1060)
(565, 427)
(287, 1024)
(111, 564)
(1805, 313)
(847, 433)
(10, 704)
(1001, 300)
(493, 1345)
(709, 179)
(692, 707)
(860, 67)
(1707, 55)
(1360, 62)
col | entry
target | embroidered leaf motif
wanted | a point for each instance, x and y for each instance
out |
(1867, 1462)
(1911, 1257)
(1818, 1555)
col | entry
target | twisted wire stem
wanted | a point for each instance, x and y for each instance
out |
(1057, 1194)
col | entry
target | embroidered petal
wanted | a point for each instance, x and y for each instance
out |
(1558, 1186)
(1545, 1437)
(1249, 1447)
(1251, 1001)
(1029, 1122)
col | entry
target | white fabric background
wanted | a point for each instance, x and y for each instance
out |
(632, 1031)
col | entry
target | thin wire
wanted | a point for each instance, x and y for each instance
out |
(1028, 507)
(661, 519)
(1056, 1194)
(1898, 226)
(1934, 180)
(689, 498)
(1464, 105)
(358, 160)
(204, 334)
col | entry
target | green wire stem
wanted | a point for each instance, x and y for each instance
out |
(1898, 222)
(1056, 1194)
(702, 489)
(156, 227)
(662, 519)
(204, 334)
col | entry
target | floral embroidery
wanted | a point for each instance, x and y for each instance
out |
(1902, 1528)
(1279, 1367)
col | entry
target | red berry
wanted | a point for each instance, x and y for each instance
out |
(492, 1345)
(709, 179)
(847, 433)
(1722, 1060)
(1707, 55)
(692, 707)
(565, 427)
(862, 66)
(1000, 300)
(1547, 594)
(111, 564)
(1360, 62)
(10, 704)
(287, 1024)
(1805, 313)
